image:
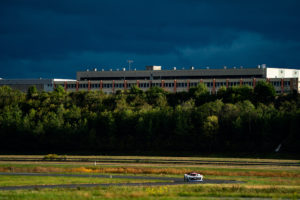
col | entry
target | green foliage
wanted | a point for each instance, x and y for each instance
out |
(211, 126)
(156, 96)
(235, 119)
(199, 91)
(200, 94)
(264, 92)
(135, 90)
(32, 92)
(59, 90)
(236, 94)
(9, 96)
(54, 157)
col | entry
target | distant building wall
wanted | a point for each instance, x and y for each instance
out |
(24, 84)
(284, 73)
(171, 74)
(284, 80)
(281, 85)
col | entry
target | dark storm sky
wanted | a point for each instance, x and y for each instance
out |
(56, 38)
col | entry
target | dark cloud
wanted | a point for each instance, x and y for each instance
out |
(56, 38)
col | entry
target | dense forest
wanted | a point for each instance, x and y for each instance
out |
(236, 119)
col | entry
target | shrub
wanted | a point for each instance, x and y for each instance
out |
(54, 157)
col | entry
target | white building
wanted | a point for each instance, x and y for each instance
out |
(283, 80)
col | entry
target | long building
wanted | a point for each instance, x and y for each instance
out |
(284, 80)
(41, 84)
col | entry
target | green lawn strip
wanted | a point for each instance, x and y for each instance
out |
(276, 184)
(251, 179)
(257, 180)
(158, 192)
(16, 180)
(10, 167)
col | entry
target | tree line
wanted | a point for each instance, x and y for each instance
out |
(236, 119)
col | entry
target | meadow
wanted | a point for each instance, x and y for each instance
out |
(273, 180)
(20, 180)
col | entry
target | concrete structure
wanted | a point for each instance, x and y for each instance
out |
(283, 73)
(284, 80)
(41, 84)
(153, 67)
(171, 74)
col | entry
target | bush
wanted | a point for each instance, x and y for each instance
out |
(54, 157)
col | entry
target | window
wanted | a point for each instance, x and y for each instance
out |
(286, 83)
(276, 83)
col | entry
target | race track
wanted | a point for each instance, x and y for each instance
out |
(172, 181)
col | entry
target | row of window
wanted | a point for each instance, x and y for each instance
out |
(278, 83)
(147, 85)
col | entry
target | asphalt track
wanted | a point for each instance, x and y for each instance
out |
(171, 181)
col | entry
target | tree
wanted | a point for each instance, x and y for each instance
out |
(210, 129)
(236, 94)
(58, 96)
(135, 90)
(199, 93)
(211, 108)
(136, 97)
(32, 92)
(264, 92)
(156, 96)
(8, 96)
(60, 90)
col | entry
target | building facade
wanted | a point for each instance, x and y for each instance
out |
(23, 85)
(283, 80)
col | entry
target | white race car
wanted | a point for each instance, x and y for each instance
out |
(193, 176)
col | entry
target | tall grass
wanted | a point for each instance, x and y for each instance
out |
(147, 170)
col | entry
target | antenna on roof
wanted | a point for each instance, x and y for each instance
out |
(129, 63)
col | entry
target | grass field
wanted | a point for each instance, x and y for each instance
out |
(261, 181)
(49, 180)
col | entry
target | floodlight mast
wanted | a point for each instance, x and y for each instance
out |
(129, 63)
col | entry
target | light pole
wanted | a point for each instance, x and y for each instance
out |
(129, 63)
